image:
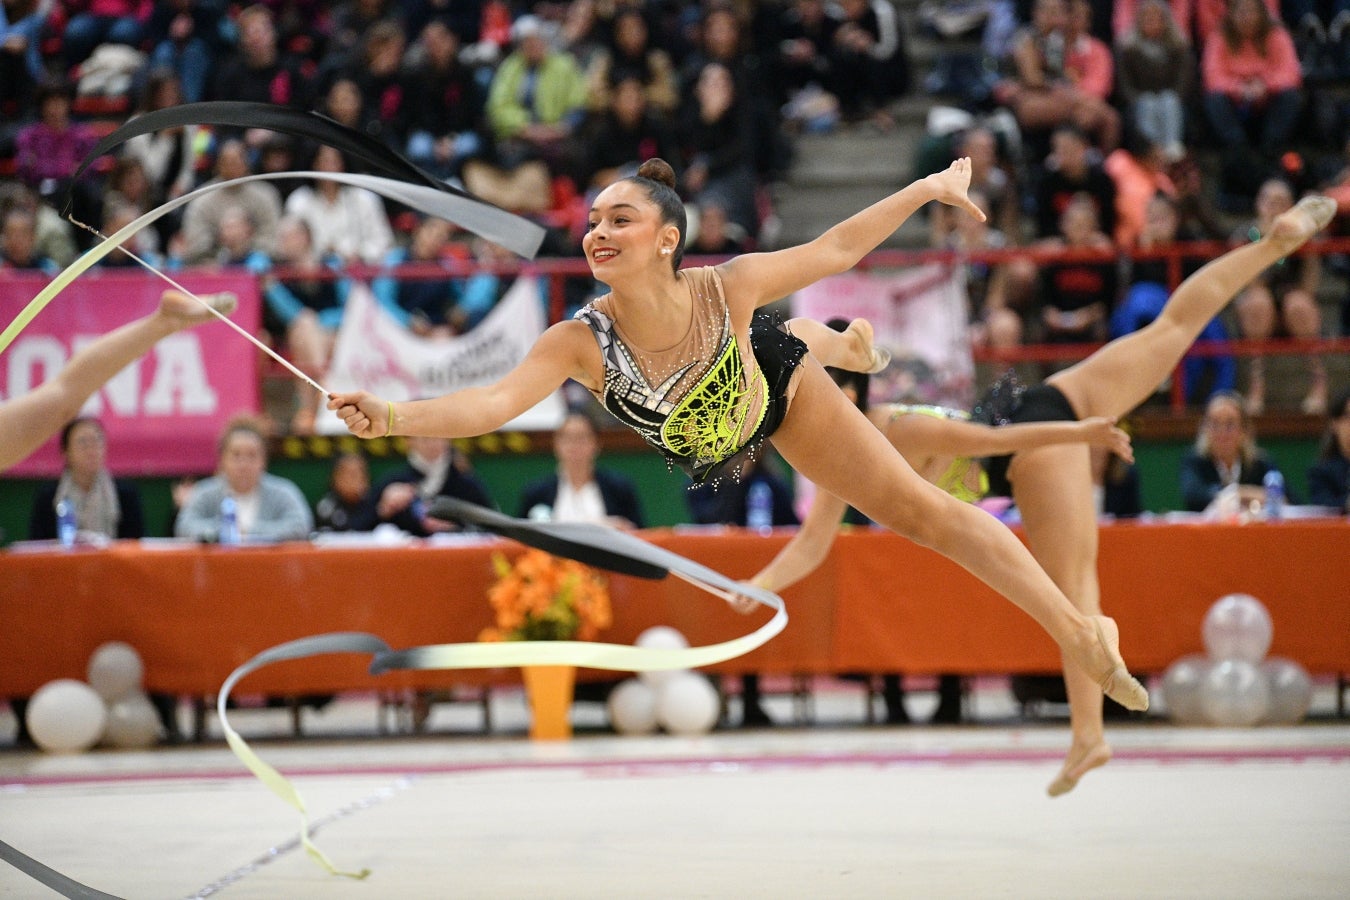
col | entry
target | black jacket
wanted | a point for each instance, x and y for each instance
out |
(42, 521)
(617, 491)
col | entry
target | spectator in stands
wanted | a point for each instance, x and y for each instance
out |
(715, 234)
(723, 39)
(53, 239)
(622, 135)
(1072, 169)
(304, 296)
(104, 506)
(1090, 69)
(168, 156)
(1225, 454)
(270, 508)
(631, 55)
(1253, 94)
(260, 200)
(1077, 296)
(185, 37)
(345, 221)
(993, 178)
(993, 323)
(344, 103)
(1139, 171)
(1210, 15)
(1042, 92)
(445, 104)
(435, 469)
(1281, 301)
(729, 504)
(437, 306)
(127, 183)
(1125, 18)
(377, 73)
(352, 21)
(235, 242)
(803, 58)
(348, 505)
(21, 66)
(117, 214)
(1154, 77)
(717, 144)
(1150, 282)
(1329, 476)
(582, 34)
(579, 491)
(89, 24)
(257, 71)
(18, 244)
(48, 151)
(536, 102)
(869, 61)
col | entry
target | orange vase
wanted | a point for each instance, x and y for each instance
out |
(549, 689)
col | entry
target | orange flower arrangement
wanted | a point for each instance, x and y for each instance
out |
(541, 597)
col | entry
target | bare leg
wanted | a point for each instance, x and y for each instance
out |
(821, 421)
(851, 349)
(28, 420)
(1053, 490)
(1121, 375)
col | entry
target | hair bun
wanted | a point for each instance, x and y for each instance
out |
(658, 170)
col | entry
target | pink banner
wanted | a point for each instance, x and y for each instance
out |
(163, 413)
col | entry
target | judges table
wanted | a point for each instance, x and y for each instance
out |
(879, 604)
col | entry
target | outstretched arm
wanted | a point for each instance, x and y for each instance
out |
(804, 553)
(916, 436)
(558, 355)
(762, 278)
(27, 421)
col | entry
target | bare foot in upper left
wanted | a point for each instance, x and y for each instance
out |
(184, 311)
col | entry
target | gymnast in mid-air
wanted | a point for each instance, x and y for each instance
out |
(682, 357)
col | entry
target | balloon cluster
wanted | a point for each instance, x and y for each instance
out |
(70, 716)
(679, 701)
(1233, 683)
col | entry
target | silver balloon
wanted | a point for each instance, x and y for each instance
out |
(1181, 688)
(1234, 693)
(1290, 691)
(1237, 627)
(132, 723)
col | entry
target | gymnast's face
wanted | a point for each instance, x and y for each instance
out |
(624, 234)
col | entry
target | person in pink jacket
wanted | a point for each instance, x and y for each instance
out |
(1253, 92)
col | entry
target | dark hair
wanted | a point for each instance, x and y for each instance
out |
(657, 178)
(1329, 449)
(75, 423)
(861, 382)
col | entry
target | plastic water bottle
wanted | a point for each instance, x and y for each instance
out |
(229, 521)
(1274, 483)
(65, 523)
(759, 508)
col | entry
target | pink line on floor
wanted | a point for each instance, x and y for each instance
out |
(660, 765)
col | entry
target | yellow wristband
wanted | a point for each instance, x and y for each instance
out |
(389, 430)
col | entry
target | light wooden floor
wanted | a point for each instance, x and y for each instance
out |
(836, 810)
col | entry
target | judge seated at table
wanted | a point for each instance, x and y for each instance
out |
(103, 505)
(435, 469)
(269, 507)
(578, 491)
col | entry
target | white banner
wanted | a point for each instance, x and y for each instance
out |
(377, 354)
(920, 315)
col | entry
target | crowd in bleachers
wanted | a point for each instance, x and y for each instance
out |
(1078, 116)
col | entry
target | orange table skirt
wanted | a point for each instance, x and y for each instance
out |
(878, 604)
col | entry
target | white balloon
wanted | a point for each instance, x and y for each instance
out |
(660, 637)
(115, 670)
(632, 707)
(132, 723)
(1181, 689)
(66, 716)
(688, 704)
(1234, 693)
(1237, 627)
(1290, 690)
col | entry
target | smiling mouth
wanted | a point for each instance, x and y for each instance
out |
(604, 255)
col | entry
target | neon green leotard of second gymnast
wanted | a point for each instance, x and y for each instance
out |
(955, 479)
